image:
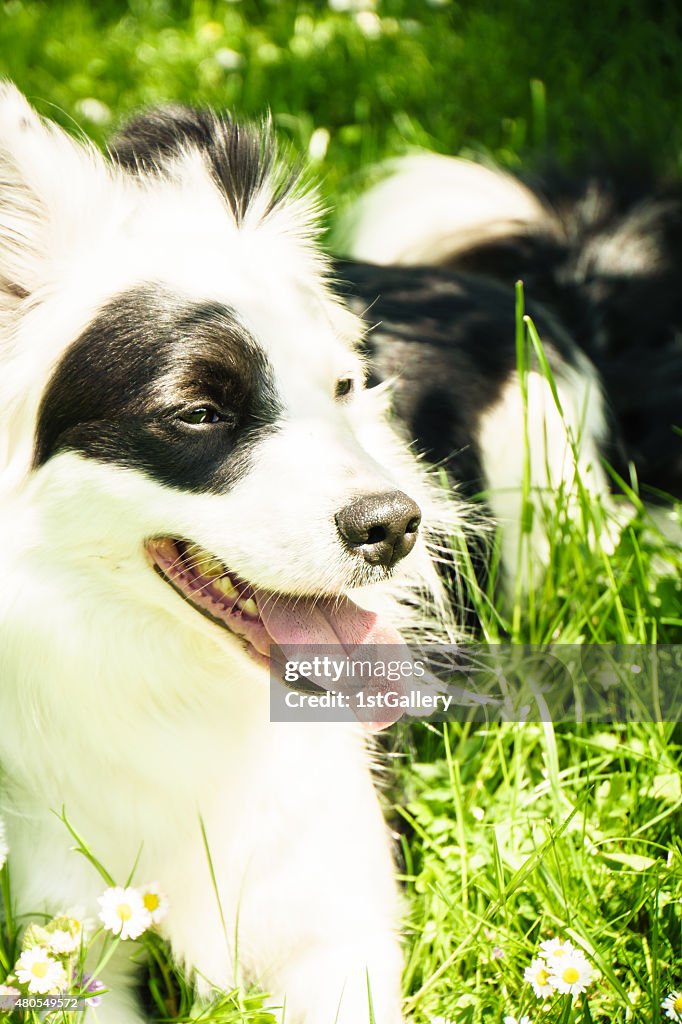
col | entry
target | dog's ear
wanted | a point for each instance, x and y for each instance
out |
(45, 176)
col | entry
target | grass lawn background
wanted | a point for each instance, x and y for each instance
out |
(454, 77)
(512, 833)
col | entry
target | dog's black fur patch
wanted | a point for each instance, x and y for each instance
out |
(148, 359)
(240, 157)
(448, 342)
(612, 275)
(606, 266)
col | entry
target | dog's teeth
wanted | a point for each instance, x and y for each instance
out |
(204, 563)
(165, 547)
(249, 607)
(225, 585)
(211, 568)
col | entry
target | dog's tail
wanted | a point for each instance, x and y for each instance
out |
(603, 250)
(430, 208)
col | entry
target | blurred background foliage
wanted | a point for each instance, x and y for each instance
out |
(352, 81)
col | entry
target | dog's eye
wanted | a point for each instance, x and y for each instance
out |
(344, 386)
(204, 414)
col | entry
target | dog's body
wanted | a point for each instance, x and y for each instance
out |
(600, 256)
(181, 410)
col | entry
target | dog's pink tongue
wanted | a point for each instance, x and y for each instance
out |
(337, 620)
(293, 621)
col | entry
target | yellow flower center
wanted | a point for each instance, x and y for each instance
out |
(560, 951)
(677, 1005)
(542, 977)
(124, 911)
(571, 975)
(39, 970)
(151, 902)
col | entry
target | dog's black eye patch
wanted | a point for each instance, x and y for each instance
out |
(177, 389)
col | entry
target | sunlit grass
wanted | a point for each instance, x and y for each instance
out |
(504, 81)
(515, 833)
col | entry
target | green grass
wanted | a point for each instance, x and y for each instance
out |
(529, 831)
(511, 833)
(514, 833)
(507, 80)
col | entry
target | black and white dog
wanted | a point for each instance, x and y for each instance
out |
(192, 471)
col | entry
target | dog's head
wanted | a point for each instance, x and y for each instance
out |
(181, 399)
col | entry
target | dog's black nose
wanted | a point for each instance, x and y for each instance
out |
(381, 527)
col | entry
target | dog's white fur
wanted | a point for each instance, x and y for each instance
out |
(118, 702)
(429, 207)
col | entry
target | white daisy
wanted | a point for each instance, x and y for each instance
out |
(538, 975)
(4, 849)
(554, 950)
(123, 912)
(672, 1004)
(571, 974)
(77, 918)
(40, 971)
(520, 1020)
(62, 935)
(154, 901)
(63, 941)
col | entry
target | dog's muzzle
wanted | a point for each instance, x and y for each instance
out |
(382, 527)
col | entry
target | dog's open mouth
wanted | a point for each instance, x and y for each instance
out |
(265, 620)
(212, 589)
